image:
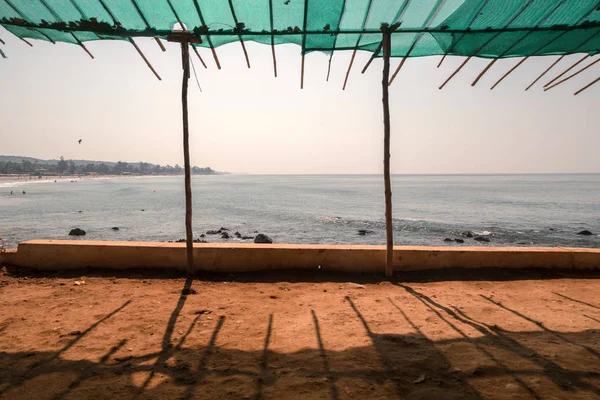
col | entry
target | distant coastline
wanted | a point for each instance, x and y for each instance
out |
(11, 166)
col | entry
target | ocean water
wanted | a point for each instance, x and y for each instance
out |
(519, 210)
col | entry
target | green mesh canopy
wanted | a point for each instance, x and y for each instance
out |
(484, 28)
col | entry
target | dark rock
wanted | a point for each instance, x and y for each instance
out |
(115, 228)
(255, 232)
(551, 229)
(143, 209)
(522, 243)
(225, 235)
(237, 234)
(77, 232)
(459, 240)
(223, 229)
(363, 232)
(448, 240)
(212, 232)
(180, 241)
(467, 234)
(482, 239)
(200, 241)
(585, 233)
(202, 235)
(262, 238)
(247, 237)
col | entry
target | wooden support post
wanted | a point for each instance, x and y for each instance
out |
(389, 266)
(189, 239)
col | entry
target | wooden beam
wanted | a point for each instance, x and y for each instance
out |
(389, 231)
(199, 57)
(510, 71)
(189, 239)
(515, 44)
(587, 86)
(212, 47)
(349, 68)
(545, 72)
(573, 74)
(145, 59)
(567, 70)
(272, 38)
(234, 16)
(303, 43)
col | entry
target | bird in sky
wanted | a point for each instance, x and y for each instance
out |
(80, 141)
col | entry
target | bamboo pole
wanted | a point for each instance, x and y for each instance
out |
(545, 72)
(144, 58)
(573, 75)
(510, 71)
(189, 240)
(557, 77)
(389, 267)
(587, 86)
(160, 44)
(273, 38)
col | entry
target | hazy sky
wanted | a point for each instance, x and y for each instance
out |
(245, 120)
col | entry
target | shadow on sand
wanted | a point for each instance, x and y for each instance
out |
(410, 366)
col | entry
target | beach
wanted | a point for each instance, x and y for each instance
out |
(109, 335)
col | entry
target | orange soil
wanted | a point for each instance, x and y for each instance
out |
(502, 335)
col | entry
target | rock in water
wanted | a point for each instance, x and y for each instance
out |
(363, 232)
(468, 234)
(77, 232)
(482, 239)
(237, 234)
(247, 237)
(448, 240)
(459, 240)
(225, 235)
(115, 228)
(262, 238)
(585, 233)
(212, 232)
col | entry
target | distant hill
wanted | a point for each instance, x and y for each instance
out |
(19, 159)
(23, 164)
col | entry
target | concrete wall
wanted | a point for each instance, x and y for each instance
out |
(223, 257)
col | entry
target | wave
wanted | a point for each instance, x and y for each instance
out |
(12, 184)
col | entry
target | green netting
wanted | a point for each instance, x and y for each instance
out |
(485, 28)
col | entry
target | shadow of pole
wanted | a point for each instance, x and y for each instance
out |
(592, 318)
(552, 370)
(577, 301)
(262, 376)
(430, 304)
(88, 330)
(166, 345)
(202, 364)
(388, 366)
(541, 325)
(328, 374)
(86, 373)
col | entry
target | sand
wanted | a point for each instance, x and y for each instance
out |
(500, 335)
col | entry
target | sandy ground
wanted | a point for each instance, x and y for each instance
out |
(500, 335)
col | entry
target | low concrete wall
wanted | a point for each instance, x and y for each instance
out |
(223, 257)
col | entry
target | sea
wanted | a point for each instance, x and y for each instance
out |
(509, 210)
